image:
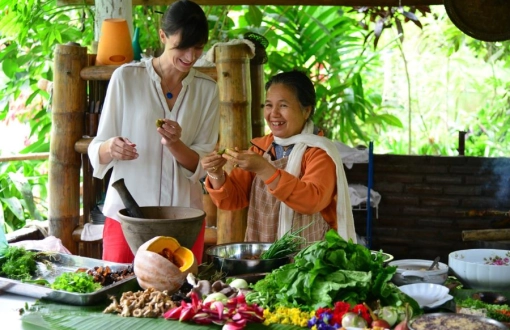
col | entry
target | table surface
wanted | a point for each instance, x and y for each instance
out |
(10, 305)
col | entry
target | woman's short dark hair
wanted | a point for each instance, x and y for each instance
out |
(300, 83)
(188, 18)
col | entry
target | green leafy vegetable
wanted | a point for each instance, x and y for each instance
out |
(288, 244)
(80, 282)
(38, 281)
(328, 271)
(17, 263)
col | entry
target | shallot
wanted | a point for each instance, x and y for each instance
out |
(232, 314)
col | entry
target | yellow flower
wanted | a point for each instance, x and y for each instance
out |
(285, 315)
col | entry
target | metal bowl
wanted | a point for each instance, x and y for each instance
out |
(386, 256)
(249, 278)
(243, 258)
(454, 321)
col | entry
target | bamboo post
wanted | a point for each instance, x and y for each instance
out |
(233, 67)
(257, 83)
(257, 105)
(68, 108)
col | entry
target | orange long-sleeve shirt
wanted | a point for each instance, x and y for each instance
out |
(314, 192)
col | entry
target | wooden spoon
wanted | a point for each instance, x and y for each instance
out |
(434, 264)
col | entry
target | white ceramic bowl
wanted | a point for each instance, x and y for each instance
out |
(481, 269)
(427, 294)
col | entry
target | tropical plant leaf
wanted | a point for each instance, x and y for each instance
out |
(14, 205)
(25, 189)
(49, 315)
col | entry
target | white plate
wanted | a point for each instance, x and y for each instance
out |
(427, 294)
(438, 302)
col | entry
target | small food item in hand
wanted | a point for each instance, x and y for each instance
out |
(160, 122)
(221, 151)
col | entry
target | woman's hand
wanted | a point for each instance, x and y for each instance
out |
(120, 148)
(250, 161)
(246, 160)
(213, 163)
(170, 132)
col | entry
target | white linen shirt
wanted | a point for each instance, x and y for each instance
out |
(134, 101)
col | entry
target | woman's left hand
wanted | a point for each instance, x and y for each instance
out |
(246, 160)
(170, 132)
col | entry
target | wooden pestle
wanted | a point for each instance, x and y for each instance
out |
(131, 205)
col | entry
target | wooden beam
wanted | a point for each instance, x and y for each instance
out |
(348, 3)
(104, 72)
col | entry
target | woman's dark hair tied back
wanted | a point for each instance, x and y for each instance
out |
(300, 83)
(188, 18)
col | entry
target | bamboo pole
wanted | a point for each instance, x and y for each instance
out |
(258, 99)
(22, 157)
(233, 67)
(69, 103)
(501, 234)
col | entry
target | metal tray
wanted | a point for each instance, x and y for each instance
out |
(69, 263)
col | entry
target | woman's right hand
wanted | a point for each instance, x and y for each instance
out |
(213, 163)
(119, 148)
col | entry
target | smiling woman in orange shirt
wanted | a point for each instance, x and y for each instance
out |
(289, 178)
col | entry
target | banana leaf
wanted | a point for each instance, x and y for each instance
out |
(48, 315)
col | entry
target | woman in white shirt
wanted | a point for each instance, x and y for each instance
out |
(160, 166)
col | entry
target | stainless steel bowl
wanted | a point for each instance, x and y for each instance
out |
(243, 258)
(454, 321)
(386, 256)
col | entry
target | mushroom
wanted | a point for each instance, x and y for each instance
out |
(137, 312)
(218, 285)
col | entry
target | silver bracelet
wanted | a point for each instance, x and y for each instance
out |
(216, 177)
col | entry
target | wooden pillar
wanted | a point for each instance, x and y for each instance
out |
(233, 67)
(257, 83)
(68, 108)
(258, 98)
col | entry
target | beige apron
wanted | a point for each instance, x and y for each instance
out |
(264, 209)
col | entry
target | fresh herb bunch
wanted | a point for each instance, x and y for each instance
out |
(288, 244)
(17, 263)
(79, 282)
(497, 312)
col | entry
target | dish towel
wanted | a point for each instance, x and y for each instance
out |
(92, 232)
(350, 155)
(358, 194)
(345, 220)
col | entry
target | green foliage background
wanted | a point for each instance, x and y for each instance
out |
(410, 95)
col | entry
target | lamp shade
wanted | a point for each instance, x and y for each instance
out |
(114, 47)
